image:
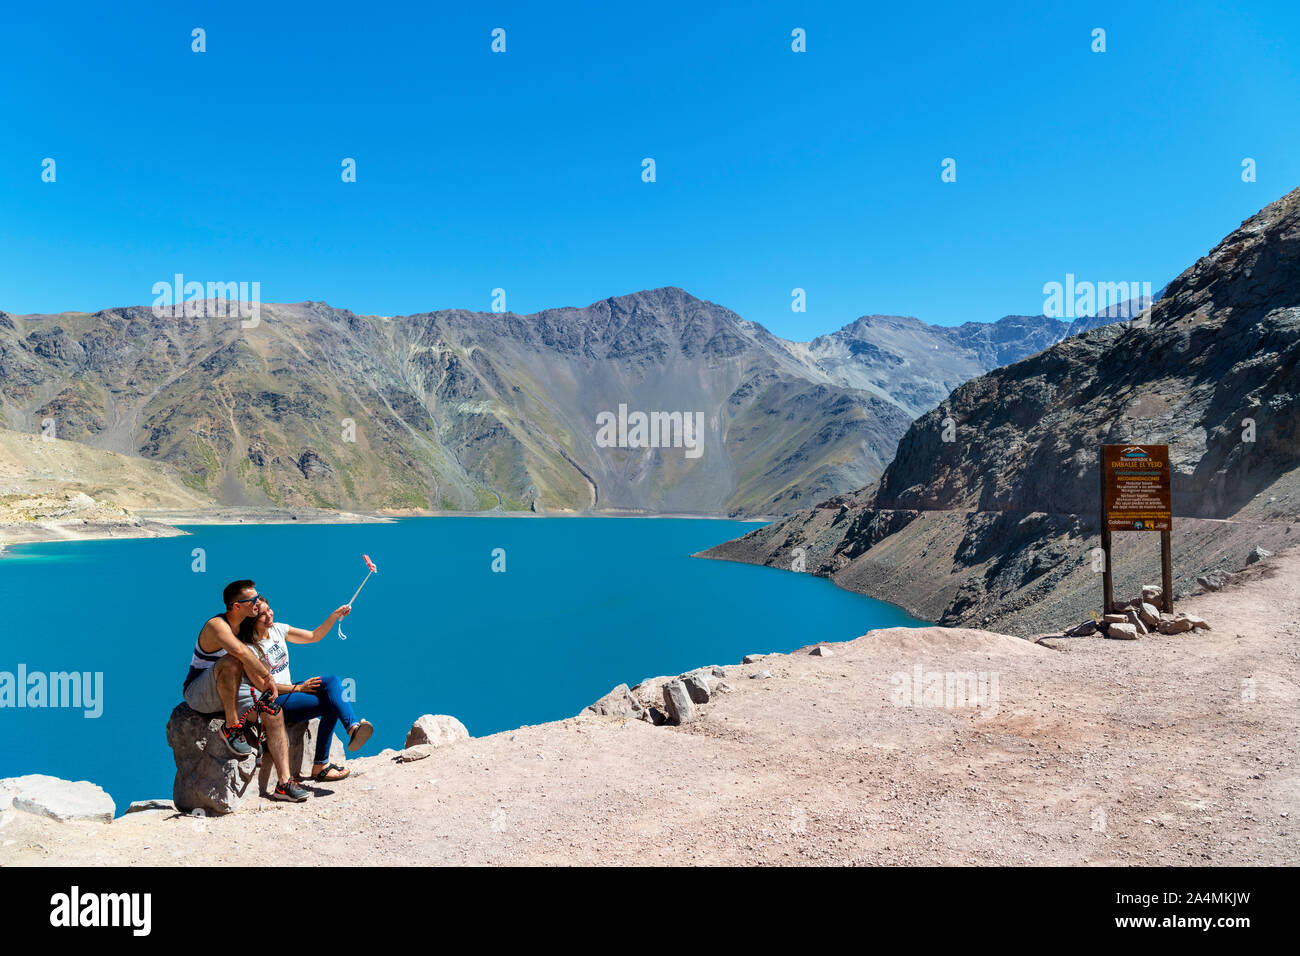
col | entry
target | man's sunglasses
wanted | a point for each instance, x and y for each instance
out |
(253, 600)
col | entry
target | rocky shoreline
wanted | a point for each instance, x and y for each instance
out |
(1025, 575)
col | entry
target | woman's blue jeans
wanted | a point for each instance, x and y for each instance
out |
(327, 704)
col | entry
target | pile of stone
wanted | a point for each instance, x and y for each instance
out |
(662, 700)
(1129, 621)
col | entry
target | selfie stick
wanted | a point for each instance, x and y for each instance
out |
(373, 570)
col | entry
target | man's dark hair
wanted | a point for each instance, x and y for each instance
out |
(231, 593)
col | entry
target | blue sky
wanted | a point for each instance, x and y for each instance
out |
(522, 170)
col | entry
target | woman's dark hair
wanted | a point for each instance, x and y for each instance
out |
(248, 630)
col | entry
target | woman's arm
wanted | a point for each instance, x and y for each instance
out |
(296, 635)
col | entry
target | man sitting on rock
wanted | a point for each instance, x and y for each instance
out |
(223, 673)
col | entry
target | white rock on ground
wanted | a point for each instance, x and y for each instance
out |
(677, 701)
(1122, 632)
(697, 687)
(619, 702)
(140, 806)
(62, 800)
(821, 651)
(436, 730)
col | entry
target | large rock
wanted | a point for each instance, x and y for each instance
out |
(436, 730)
(1259, 554)
(1150, 616)
(697, 687)
(677, 701)
(1176, 626)
(619, 702)
(62, 800)
(1122, 632)
(208, 776)
(1136, 620)
(1152, 593)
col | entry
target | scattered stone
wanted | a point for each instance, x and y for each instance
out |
(1216, 580)
(655, 716)
(1150, 616)
(62, 800)
(1136, 620)
(1082, 630)
(1122, 632)
(1195, 621)
(1174, 626)
(761, 675)
(753, 658)
(1152, 593)
(412, 754)
(821, 651)
(139, 806)
(697, 688)
(650, 692)
(678, 703)
(436, 730)
(1114, 619)
(722, 687)
(1259, 554)
(719, 672)
(619, 702)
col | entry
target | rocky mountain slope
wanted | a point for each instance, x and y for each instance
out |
(995, 525)
(64, 489)
(454, 410)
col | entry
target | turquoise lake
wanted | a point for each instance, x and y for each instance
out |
(583, 604)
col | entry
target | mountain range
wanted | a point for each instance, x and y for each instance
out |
(988, 513)
(469, 411)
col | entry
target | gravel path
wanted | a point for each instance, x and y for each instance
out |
(1174, 749)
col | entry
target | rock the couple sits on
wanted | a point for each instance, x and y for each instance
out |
(240, 700)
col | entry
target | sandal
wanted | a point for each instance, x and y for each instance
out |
(357, 739)
(324, 775)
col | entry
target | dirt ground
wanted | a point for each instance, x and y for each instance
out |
(1168, 750)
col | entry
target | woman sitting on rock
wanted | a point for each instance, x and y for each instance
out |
(318, 697)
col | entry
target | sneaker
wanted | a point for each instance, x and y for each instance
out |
(290, 792)
(234, 740)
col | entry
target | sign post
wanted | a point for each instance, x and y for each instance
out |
(1137, 495)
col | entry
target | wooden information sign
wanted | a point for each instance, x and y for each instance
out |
(1137, 495)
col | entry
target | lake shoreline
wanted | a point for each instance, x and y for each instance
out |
(172, 523)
